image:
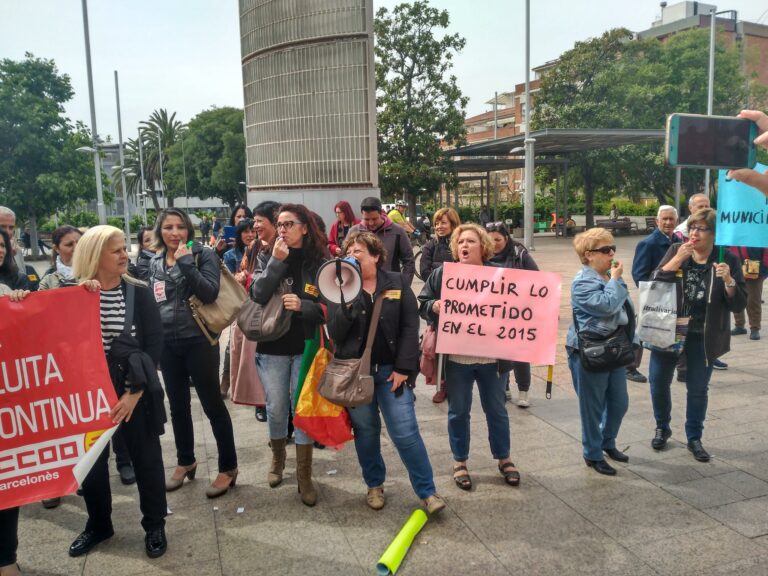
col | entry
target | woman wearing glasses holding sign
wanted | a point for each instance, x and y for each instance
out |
(709, 291)
(601, 304)
(295, 255)
(470, 244)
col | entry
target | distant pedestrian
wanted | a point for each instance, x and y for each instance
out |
(345, 219)
(754, 263)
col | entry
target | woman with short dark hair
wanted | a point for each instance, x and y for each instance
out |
(9, 273)
(709, 291)
(176, 273)
(394, 358)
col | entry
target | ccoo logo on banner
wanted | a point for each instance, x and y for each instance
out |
(55, 394)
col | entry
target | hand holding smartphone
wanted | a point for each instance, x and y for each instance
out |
(719, 142)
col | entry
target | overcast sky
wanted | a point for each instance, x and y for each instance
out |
(184, 55)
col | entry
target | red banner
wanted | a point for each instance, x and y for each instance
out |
(55, 393)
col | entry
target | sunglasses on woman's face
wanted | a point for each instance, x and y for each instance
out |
(605, 250)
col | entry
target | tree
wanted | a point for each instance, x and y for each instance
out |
(616, 82)
(214, 156)
(40, 168)
(419, 103)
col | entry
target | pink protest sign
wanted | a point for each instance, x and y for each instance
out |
(499, 313)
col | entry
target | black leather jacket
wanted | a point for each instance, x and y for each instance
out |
(434, 253)
(267, 276)
(173, 288)
(398, 323)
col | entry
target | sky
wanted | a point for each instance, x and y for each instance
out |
(184, 55)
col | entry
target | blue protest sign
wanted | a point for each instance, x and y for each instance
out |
(742, 213)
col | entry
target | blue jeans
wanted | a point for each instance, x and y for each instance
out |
(460, 379)
(279, 375)
(402, 427)
(698, 374)
(603, 401)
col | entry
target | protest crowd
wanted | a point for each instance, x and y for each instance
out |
(292, 348)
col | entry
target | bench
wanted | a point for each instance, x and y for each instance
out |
(650, 224)
(617, 225)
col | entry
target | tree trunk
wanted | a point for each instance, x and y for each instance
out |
(589, 193)
(155, 202)
(33, 236)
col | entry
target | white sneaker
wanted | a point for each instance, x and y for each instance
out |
(522, 400)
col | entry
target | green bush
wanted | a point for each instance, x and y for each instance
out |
(115, 221)
(626, 208)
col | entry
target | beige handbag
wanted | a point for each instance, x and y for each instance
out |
(269, 322)
(751, 269)
(214, 317)
(349, 383)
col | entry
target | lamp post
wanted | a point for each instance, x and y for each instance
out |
(529, 142)
(160, 162)
(126, 211)
(711, 83)
(184, 169)
(100, 208)
(245, 196)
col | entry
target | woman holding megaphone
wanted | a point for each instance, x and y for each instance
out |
(295, 256)
(394, 359)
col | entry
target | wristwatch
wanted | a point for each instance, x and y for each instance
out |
(731, 284)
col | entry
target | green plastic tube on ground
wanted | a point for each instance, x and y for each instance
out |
(396, 551)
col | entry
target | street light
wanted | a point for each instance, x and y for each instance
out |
(126, 212)
(711, 84)
(529, 142)
(94, 134)
(245, 198)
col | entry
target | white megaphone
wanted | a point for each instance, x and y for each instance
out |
(340, 281)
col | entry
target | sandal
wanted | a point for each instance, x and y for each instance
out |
(510, 473)
(463, 481)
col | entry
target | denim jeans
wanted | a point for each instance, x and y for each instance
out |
(698, 374)
(279, 375)
(603, 401)
(403, 429)
(460, 379)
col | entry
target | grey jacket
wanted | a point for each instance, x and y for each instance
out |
(399, 249)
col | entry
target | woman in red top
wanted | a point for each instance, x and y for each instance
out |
(345, 219)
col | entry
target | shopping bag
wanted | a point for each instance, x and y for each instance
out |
(323, 421)
(657, 319)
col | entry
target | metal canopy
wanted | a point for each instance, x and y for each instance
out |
(494, 164)
(553, 141)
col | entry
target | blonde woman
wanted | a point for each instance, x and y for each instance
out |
(470, 244)
(101, 263)
(601, 304)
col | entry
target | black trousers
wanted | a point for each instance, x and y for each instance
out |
(9, 536)
(122, 458)
(144, 450)
(200, 362)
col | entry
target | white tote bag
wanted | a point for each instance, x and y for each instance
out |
(657, 318)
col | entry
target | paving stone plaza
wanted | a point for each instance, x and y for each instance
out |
(664, 513)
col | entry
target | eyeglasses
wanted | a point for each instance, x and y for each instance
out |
(288, 224)
(699, 229)
(604, 249)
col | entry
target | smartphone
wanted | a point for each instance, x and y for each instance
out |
(229, 233)
(695, 141)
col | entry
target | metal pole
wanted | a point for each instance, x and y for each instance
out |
(677, 190)
(126, 212)
(143, 182)
(184, 169)
(529, 142)
(495, 113)
(100, 208)
(160, 162)
(711, 85)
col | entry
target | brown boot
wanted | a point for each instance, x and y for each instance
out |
(304, 474)
(275, 476)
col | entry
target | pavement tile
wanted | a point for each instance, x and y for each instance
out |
(748, 517)
(745, 484)
(704, 493)
(698, 552)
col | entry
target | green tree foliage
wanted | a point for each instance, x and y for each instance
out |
(214, 156)
(40, 168)
(419, 103)
(616, 82)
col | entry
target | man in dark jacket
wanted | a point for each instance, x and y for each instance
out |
(648, 254)
(394, 237)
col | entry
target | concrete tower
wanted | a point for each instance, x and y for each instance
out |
(310, 108)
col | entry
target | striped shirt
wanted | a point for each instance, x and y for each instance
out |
(112, 316)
